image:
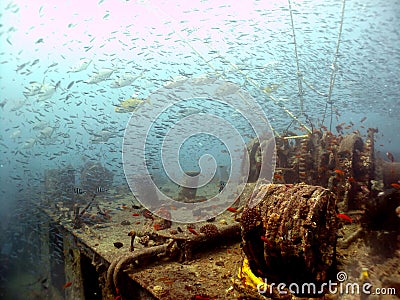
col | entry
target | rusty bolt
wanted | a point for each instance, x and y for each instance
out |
(132, 234)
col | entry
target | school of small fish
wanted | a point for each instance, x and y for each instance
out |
(67, 100)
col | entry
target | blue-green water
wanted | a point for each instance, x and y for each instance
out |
(54, 116)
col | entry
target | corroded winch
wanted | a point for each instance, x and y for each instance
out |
(342, 163)
(290, 235)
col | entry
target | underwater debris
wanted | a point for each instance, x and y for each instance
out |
(159, 291)
(118, 245)
(293, 227)
(125, 223)
(350, 239)
(144, 240)
(209, 230)
(82, 217)
(163, 221)
(162, 224)
(132, 234)
(344, 164)
(119, 264)
(147, 214)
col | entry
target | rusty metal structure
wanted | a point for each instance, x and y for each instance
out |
(343, 164)
(290, 236)
(293, 228)
(119, 250)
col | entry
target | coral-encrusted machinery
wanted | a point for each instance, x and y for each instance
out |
(123, 251)
(293, 226)
(343, 164)
(291, 233)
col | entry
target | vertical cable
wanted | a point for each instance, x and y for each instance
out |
(299, 84)
(334, 68)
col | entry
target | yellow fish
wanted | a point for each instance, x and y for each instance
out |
(364, 274)
(271, 88)
(130, 105)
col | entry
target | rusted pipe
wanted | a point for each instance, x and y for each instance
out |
(121, 262)
(177, 248)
